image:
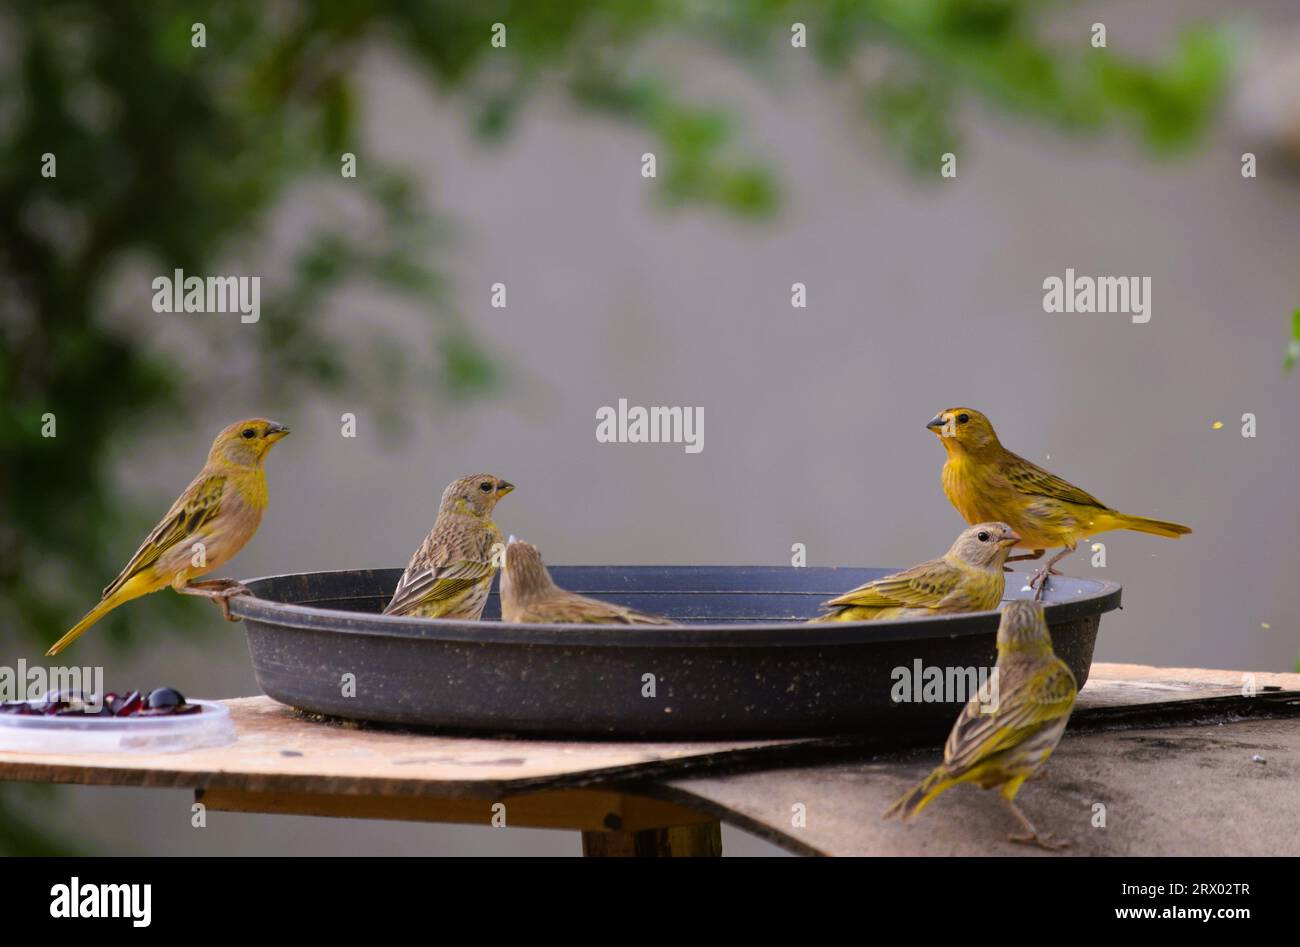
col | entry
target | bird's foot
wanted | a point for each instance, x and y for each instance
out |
(1038, 581)
(1027, 557)
(204, 586)
(1042, 841)
(220, 591)
(1041, 575)
(223, 599)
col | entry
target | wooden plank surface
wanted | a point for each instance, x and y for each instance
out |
(1113, 685)
(1222, 784)
(1219, 789)
(281, 750)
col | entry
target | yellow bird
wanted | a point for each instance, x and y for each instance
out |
(207, 525)
(450, 575)
(985, 481)
(967, 578)
(530, 595)
(1004, 735)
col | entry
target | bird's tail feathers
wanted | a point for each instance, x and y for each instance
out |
(909, 806)
(94, 615)
(1155, 527)
(133, 588)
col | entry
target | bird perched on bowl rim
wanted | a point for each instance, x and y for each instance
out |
(450, 575)
(967, 578)
(530, 595)
(1004, 735)
(985, 481)
(209, 522)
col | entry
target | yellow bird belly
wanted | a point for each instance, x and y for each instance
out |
(217, 542)
(981, 495)
(868, 613)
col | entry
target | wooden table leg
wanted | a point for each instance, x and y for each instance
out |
(703, 840)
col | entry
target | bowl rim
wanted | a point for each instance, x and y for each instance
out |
(1104, 597)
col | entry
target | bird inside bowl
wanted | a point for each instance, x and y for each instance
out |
(967, 578)
(450, 575)
(530, 595)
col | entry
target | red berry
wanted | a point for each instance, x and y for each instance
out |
(129, 705)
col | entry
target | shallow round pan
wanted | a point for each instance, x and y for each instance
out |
(742, 666)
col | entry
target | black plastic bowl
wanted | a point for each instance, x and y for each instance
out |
(761, 674)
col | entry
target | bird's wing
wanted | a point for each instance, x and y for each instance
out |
(919, 587)
(1048, 695)
(1028, 477)
(437, 582)
(622, 615)
(571, 609)
(632, 617)
(194, 508)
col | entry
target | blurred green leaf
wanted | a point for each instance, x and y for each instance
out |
(21, 832)
(467, 369)
(1293, 350)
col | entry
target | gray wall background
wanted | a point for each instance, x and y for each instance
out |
(922, 295)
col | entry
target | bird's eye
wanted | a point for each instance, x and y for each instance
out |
(983, 536)
(248, 432)
(485, 487)
(963, 418)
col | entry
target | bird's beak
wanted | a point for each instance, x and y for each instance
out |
(1010, 539)
(503, 488)
(936, 423)
(275, 431)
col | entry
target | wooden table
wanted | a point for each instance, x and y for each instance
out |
(1181, 760)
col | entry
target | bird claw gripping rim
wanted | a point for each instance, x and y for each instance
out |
(219, 592)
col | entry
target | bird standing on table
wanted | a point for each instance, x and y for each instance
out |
(967, 578)
(985, 481)
(999, 743)
(450, 575)
(211, 521)
(530, 595)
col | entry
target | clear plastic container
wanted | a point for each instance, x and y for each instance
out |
(31, 734)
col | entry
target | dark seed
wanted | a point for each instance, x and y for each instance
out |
(165, 697)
